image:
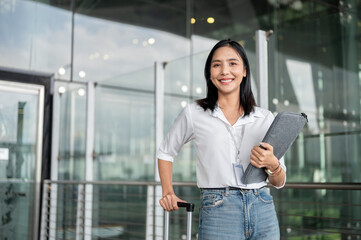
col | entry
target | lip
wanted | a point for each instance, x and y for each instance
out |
(225, 80)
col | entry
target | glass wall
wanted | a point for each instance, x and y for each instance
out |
(36, 36)
(72, 130)
(124, 127)
(320, 78)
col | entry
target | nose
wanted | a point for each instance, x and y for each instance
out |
(225, 69)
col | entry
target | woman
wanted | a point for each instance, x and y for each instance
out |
(226, 128)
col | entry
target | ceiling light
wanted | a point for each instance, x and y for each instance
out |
(62, 90)
(198, 90)
(183, 104)
(184, 88)
(275, 101)
(151, 41)
(61, 71)
(81, 92)
(210, 20)
(82, 74)
(193, 20)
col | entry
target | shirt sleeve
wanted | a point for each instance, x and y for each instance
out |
(179, 134)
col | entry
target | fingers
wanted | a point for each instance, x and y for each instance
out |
(169, 202)
(255, 163)
(267, 146)
(261, 157)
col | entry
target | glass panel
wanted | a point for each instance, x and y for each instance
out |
(66, 211)
(320, 78)
(318, 213)
(36, 36)
(18, 141)
(121, 37)
(124, 130)
(184, 168)
(72, 134)
(119, 212)
(178, 77)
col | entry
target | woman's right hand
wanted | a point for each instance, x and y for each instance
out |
(169, 202)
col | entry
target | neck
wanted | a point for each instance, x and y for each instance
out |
(229, 101)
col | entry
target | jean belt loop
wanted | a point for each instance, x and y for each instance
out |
(227, 191)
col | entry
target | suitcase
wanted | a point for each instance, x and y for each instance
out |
(190, 208)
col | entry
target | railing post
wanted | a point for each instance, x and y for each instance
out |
(80, 213)
(54, 160)
(44, 231)
(159, 124)
(88, 204)
(150, 226)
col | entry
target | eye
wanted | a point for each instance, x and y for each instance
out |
(233, 63)
(215, 65)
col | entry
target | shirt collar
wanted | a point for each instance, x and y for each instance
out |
(257, 113)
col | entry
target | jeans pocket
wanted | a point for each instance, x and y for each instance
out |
(211, 199)
(264, 196)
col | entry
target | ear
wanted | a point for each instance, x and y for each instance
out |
(245, 72)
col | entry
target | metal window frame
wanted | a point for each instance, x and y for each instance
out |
(262, 68)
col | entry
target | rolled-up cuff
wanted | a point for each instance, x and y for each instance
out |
(284, 182)
(165, 157)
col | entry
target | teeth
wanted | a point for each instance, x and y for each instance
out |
(226, 81)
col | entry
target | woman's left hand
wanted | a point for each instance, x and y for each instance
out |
(264, 157)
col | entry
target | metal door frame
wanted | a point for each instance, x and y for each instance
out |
(39, 90)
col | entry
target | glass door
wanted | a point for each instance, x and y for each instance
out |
(21, 131)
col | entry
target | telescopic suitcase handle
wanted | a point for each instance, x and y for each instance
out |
(190, 208)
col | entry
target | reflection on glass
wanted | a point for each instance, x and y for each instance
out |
(124, 134)
(18, 141)
(72, 134)
(103, 51)
(35, 36)
(142, 79)
(318, 214)
(313, 77)
(302, 82)
(184, 163)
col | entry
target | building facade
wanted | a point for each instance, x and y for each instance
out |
(116, 51)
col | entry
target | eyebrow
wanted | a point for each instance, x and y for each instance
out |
(231, 59)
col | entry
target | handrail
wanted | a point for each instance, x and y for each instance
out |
(330, 186)
(128, 205)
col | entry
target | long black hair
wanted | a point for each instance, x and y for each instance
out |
(247, 100)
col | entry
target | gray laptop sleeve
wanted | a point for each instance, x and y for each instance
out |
(281, 134)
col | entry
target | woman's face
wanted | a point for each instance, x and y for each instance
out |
(227, 70)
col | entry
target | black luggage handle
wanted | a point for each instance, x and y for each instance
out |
(189, 206)
(190, 209)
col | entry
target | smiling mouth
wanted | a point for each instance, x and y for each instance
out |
(226, 80)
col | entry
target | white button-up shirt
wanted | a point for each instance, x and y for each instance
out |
(215, 140)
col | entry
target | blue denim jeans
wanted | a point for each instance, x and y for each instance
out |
(235, 215)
